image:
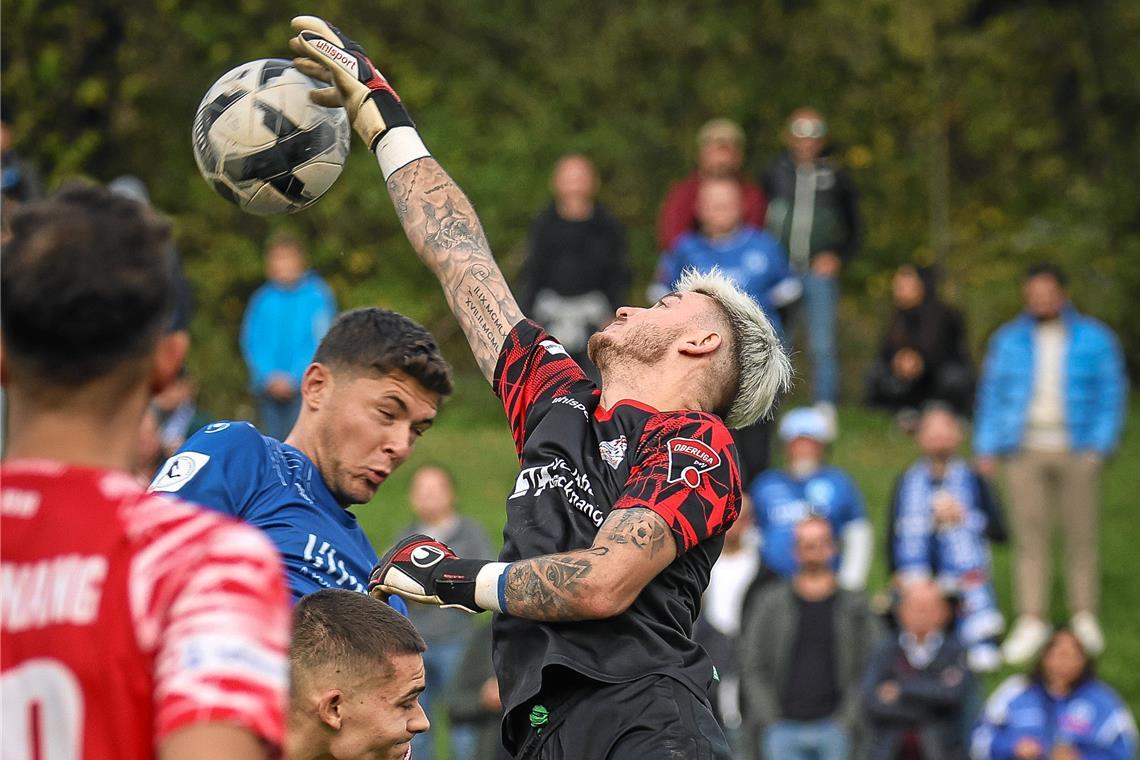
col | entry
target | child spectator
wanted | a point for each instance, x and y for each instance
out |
(285, 320)
(941, 515)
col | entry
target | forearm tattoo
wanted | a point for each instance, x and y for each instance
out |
(548, 588)
(445, 231)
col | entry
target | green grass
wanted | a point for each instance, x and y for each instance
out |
(472, 440)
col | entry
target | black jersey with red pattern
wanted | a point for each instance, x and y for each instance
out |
(578, 463)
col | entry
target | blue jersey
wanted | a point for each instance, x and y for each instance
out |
(780, 501)
(750, 257)
(232, 468)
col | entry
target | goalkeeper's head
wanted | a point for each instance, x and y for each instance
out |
(707, 346)
(86, 298)
(356, 673)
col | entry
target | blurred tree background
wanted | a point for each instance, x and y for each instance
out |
(984, 134)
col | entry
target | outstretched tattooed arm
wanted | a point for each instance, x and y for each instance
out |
(632, 547)
(445, 231)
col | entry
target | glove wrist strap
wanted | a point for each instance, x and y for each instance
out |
(398, 147)
(490, 583)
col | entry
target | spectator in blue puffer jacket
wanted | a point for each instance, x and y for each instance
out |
(1061, 712)
(285, 320)
(1051, 404)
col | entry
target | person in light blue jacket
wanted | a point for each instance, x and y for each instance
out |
(1060, 712)
(1051, 404)
(284, 321)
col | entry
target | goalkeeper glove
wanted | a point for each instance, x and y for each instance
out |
(424, 570)
(373, 106)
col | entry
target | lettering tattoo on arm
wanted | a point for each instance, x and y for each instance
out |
(444, 230)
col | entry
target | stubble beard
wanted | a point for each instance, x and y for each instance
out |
(645, 346)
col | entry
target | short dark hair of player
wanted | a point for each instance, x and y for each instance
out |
(1043, 269)
(350, 631)
(86, 284)
(383, 342)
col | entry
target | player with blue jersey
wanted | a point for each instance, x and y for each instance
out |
(809, 486)
(372, 389)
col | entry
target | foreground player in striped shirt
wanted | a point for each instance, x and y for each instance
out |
(131, 626)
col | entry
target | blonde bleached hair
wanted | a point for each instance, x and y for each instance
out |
(762, 368)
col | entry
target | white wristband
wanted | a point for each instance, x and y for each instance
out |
(399, 147)
(488, 586)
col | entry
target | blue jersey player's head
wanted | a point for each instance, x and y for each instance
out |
(371, 391)
(86, 300)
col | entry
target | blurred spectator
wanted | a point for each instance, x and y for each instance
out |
(1051, 403)
(19, 178)
(134, 188)
(1062, 711)
(917, 683)
(285, 320)
(718, 627)
(473, 703)
(446, 631)
(576, 273)
(942, 516)
(803, 651)
(753, 260)
(924, 355)
(813, 212)
(720, 154)
(810, 487)
(177, 414)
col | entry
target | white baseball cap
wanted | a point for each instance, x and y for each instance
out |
(805, 422)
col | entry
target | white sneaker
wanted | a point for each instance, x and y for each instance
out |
(1025, 640)
(1087, 630)
(826, 409)
(983, 658)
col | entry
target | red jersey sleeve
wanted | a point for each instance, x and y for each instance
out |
(533, 366)
(686, 470)
(209, 595)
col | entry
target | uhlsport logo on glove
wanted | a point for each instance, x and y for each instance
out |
(426, 556)
(332, 51)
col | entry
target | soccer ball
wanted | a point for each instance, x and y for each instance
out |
(262, 144)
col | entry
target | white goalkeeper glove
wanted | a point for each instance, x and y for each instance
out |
(374, 108)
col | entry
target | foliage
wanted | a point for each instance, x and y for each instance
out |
(983, 133)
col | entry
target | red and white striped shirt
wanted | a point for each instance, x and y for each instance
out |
(126, 616)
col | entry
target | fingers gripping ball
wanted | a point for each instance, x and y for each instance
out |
(372, 105)
(263, 144)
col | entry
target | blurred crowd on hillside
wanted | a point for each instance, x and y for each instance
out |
(809, 666)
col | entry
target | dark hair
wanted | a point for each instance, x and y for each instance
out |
(347, 628)
(383, 341)
(1045, 269)
(86, 284)
(1087, 673)
(284, 240)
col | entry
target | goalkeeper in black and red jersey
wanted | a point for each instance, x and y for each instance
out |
(624, 492)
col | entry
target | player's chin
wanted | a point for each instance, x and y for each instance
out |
(360, 490)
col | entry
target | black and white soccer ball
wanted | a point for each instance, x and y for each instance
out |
(262, 144)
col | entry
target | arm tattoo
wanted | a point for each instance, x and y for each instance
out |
(545, 588)
(444, 230)
(638, 527)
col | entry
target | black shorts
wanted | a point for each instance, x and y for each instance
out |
(647, 719)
